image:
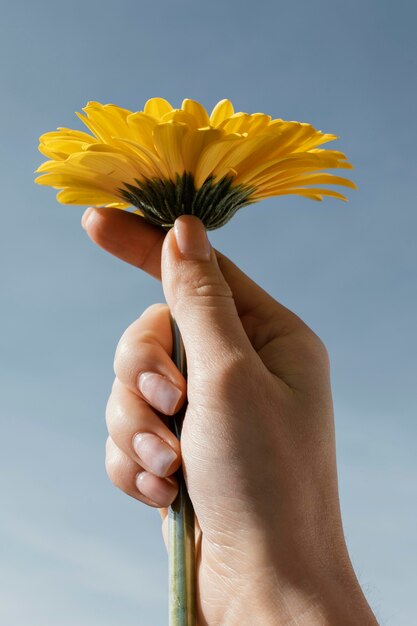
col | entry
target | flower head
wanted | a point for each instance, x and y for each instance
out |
(167, 162)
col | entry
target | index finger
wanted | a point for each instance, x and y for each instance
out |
(127, 236)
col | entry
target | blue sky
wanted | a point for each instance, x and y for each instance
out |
(76, 550)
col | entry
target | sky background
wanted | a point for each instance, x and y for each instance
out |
(76, 551)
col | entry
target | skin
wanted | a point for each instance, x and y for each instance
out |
(258, 445)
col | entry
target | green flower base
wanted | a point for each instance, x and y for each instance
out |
(162, 201)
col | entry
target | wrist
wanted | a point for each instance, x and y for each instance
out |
(305, 597)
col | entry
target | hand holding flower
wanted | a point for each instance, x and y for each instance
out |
(258, 438)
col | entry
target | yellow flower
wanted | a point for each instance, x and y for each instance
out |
(167, 162)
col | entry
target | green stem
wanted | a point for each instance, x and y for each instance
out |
(181, 542)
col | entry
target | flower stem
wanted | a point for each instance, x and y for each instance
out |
(181, 541)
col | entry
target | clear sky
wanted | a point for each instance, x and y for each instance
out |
(77, 552)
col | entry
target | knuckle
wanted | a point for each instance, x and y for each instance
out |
(116, 386)
(204, 298)
(314, 348)
(155, 308)
(321, 348)
(114, 465)
(131, 356)
(119, 356)
(111, 414)
(204, 285)
(136, 334)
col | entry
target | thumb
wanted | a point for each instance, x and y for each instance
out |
(200, 298)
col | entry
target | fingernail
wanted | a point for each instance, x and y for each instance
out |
(159, 392)
(154, 453)
(191, 237)
(86, 217)
(162, 492)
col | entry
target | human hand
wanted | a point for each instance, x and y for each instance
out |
(257, 445)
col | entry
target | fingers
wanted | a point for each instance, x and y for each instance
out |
(131, 238)
(142, 453)
(143, 362)
(135, 481)
(137, 430)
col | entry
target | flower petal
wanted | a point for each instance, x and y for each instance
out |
(106, 121)
(303, 161)
(181, 117)
(197, 110)
(195, 142)
(61, 143)
(141, 128)
(212, 155)
(157, 107)
(90, 197)
(168, 143)
(221, 111)
(96, 170)
(150, 160)
(248, 148)
(257, 122)
(237, 123)
(315, 194)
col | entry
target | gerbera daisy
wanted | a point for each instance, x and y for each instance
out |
(166, 162)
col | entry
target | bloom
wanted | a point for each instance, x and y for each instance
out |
(167, 162)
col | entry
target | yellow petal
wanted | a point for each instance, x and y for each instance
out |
(247, 149)
(318, 139)
(264, 148)
(106, 121)
(181, 117)
(237, 123)
(120, 205)
(106, 172)
(114, 109)
(194, 142)
(47, 166)
(319, 178)
(110, 119)
(59, 144)
(257, 123)
(292, 135)
(168, 142)
(148, 159)
(117, 167)
(142, 126)
(92, 127)
(212, 155)
(88, 196)
(221, 111)
(157, 107)
(197, 110)
(61, 148)
(284, 182)
(315, 194)
(339, 157)
(66, 133)
(268, 167)
(59, 180)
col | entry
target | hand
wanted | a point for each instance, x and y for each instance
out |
(257, 446)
